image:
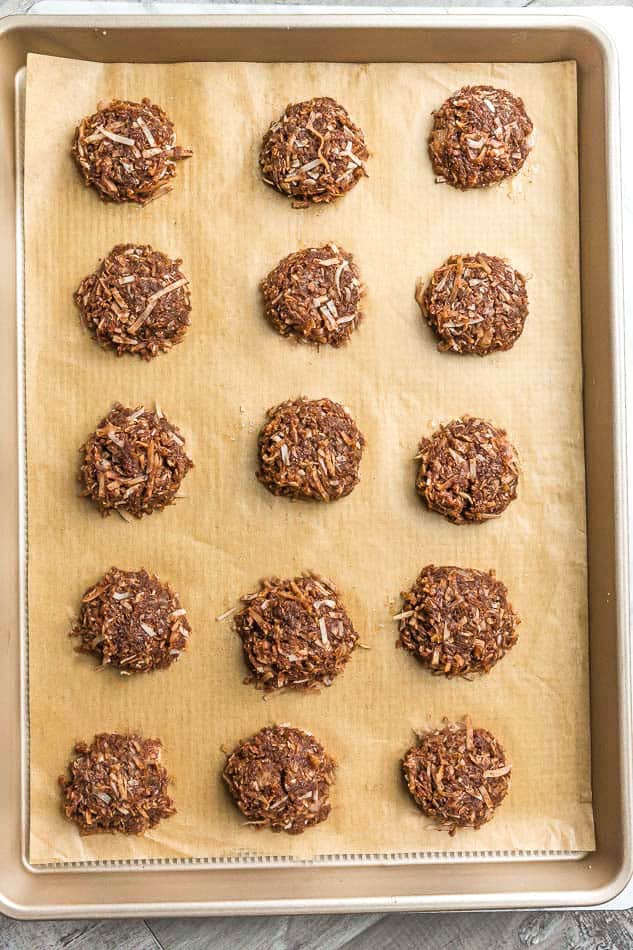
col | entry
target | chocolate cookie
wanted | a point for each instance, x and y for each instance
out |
(280, 779)
(475, 304)
(116, 784)
(457, 620)
(133, 462)
(313, 153)
(137, 301)
(310, 448)
(132, 621)
(127, 151)
(295, 632)
(458, 776)
(468, 471)
(314, 295)
(480, 136)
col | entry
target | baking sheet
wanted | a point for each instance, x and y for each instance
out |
(230, 230)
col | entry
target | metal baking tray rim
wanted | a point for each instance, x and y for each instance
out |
(320, 16)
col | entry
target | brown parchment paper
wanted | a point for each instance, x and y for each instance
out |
(230, 229)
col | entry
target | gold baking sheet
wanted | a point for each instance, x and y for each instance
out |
(230, 229)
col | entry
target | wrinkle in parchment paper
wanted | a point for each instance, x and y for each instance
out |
(230, 229)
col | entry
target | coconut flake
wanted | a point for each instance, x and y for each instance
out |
(114, 136)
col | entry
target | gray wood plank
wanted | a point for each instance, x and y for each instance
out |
(80, 935)
(600, 930)
(327, 932)
(498, 931)
(489, 931)
(486, 931)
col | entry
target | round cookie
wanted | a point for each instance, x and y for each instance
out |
(457, 620)
(295, 633)
(468, 471)
(116, 784)
(480, 136)
(133, 462)
(475, 304)
(280, 779)
(313, 153)
(132, 621)
(457, 775)
(311, 449)
(314, 295)
(137, 301)
(127, 151)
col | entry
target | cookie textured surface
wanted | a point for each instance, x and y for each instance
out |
(458, 776)
(314, 295)
(133, 462)
(116, 784)
(127, 151)
(280, 779)
(314, 152)
(457, 620)
(480, 136)
(311, 449)
(469, 471)
(475, 304)
(132, 621)
(137, 301)
(295, 632)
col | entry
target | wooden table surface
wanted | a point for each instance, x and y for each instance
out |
(602, 930)
(599, 930)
